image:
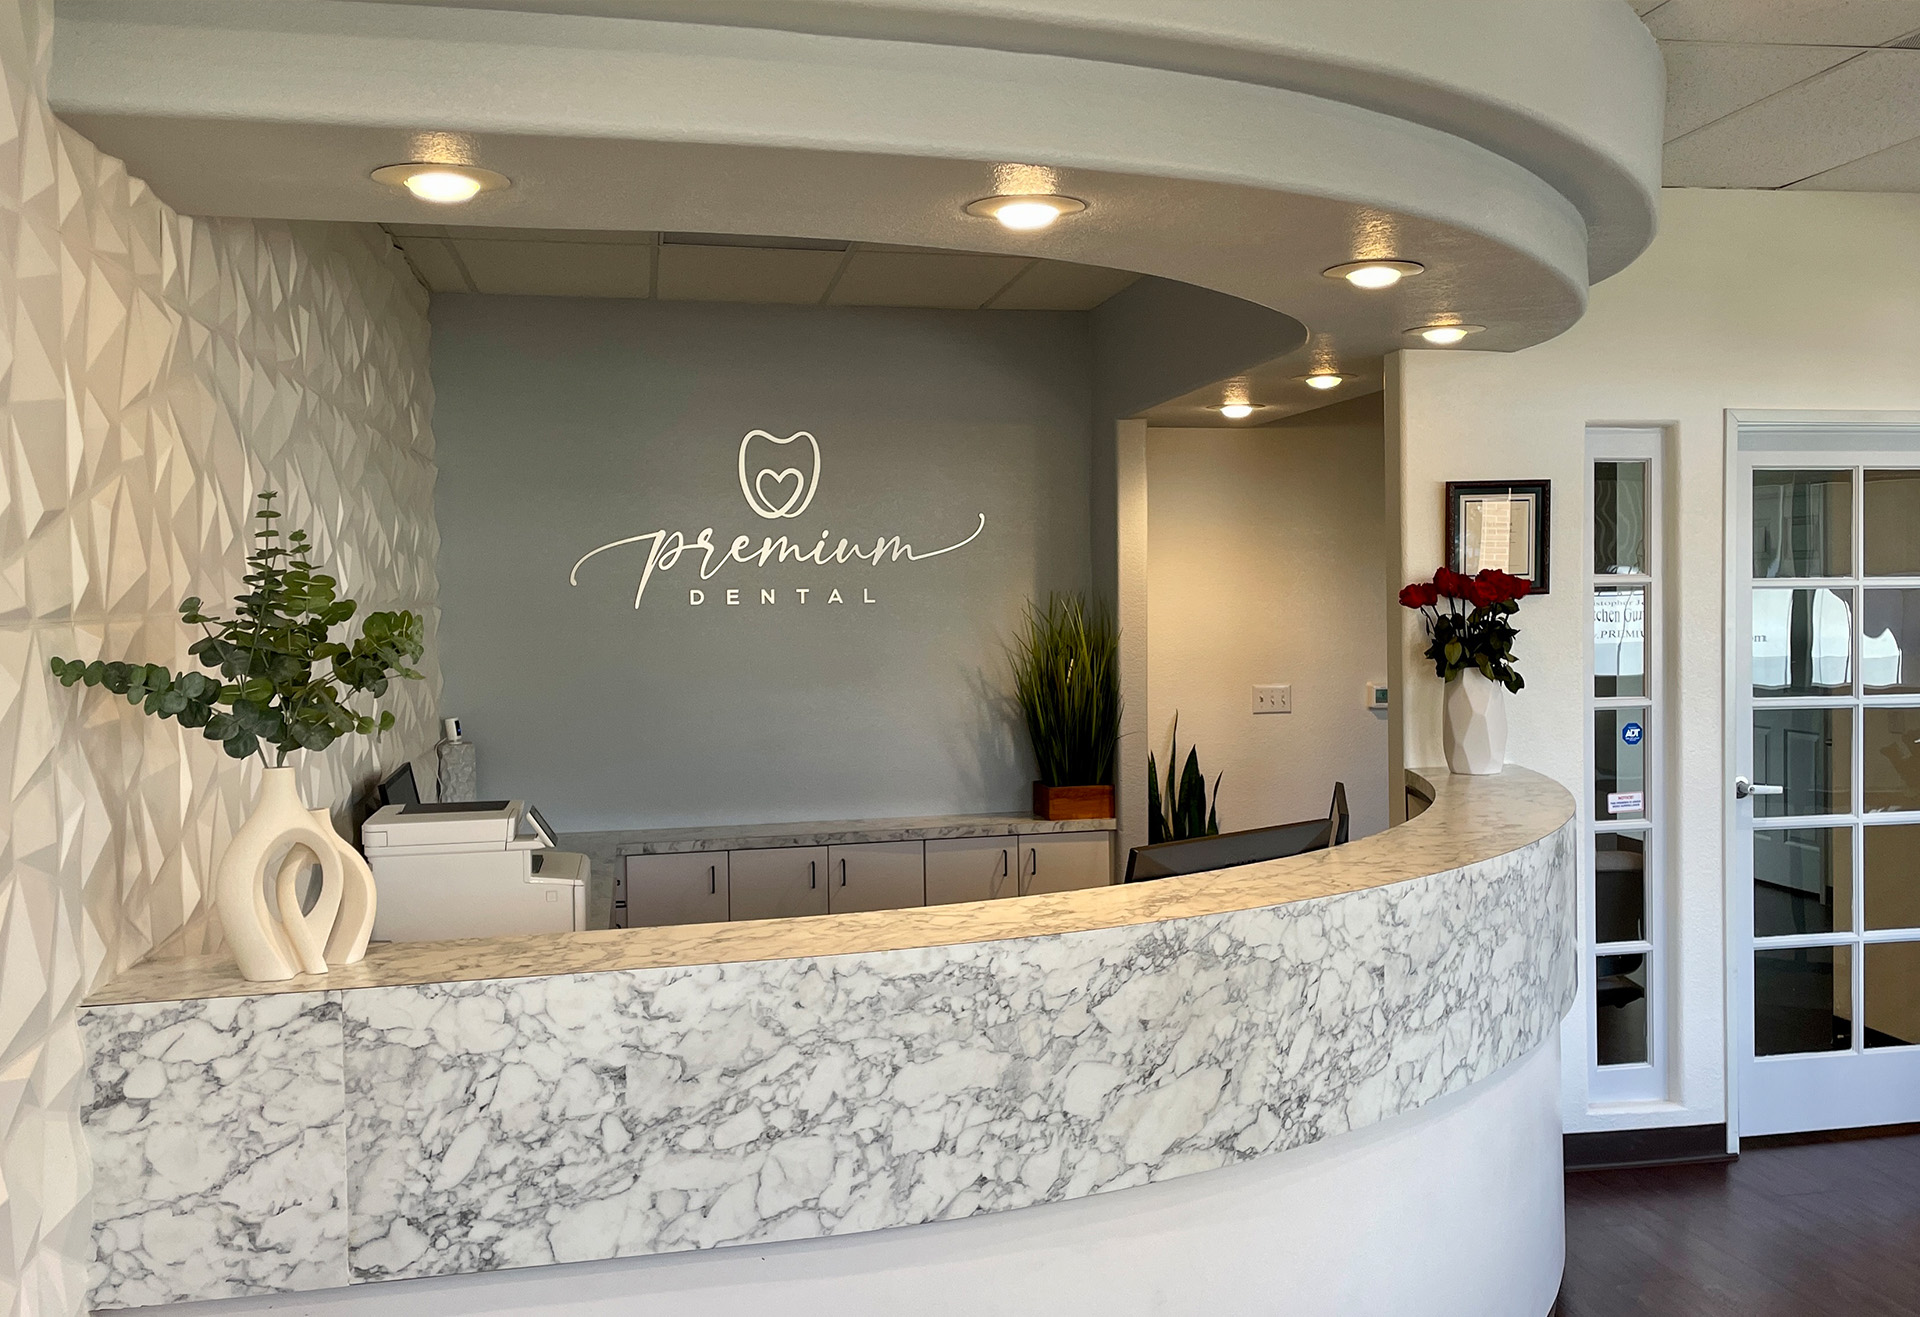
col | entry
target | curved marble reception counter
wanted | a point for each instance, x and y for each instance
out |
(447, 1108)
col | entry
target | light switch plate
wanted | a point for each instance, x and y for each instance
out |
(1376, 696)
(1273, 699)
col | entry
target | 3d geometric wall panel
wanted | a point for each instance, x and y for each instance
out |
(156, 372)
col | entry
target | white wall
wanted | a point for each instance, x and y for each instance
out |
(158, 371)
(1746, 300)
(1452, 1210)
(1265, 549)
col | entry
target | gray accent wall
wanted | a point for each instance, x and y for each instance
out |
(565, 424)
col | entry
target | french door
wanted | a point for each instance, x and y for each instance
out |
(1825, 893)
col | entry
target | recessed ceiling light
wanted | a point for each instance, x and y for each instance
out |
(1446, 335)
(1324, 380)
(445, 185)
(1375, 274)
(1236, 411)
(1025, 213)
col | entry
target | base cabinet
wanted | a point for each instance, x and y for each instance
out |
(790, 882)
(876, 875)
(676, 889)
(783, 883)
(970, 869)
(1064, 862)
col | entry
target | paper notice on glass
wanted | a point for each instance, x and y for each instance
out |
(1626, 802)
(1496, 534)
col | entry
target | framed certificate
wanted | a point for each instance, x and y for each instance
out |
(1499, 524)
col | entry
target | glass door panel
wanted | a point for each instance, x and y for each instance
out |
(1808, 754)
(1802, 523)
(1802, 642)
(1802, 1000)
(1892, 1014)
(1827, 712)
(1802, 881)
(1890, 876)
(1890, 642)
(1891, 518)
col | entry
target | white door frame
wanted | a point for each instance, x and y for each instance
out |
(1737, 941)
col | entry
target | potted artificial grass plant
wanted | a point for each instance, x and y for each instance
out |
(1066, 674)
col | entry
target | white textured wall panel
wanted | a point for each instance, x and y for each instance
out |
(156, 371)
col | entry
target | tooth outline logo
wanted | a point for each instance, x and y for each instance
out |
(804, 485)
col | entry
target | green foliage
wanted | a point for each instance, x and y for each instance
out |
(1066, 674)
(1183, 811)
(282, 683)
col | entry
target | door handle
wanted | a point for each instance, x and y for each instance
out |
(1742, 788)
(813, 873)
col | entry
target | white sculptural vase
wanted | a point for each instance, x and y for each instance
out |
(1476, 724)
(274, 940)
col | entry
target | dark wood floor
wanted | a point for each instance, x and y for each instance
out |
(1805, 1230)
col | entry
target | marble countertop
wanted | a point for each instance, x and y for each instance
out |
(1472, 819)
(836, 832)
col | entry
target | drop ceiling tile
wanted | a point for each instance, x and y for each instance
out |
(1850, 111)
(434, 259)
(1062, 286)
(745, 274)
(950, 280)
(1896, 169)
(557, 269)
(603, 237)
(1786, 22)
(1708, 80)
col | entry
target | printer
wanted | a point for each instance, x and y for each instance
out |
(475, 868)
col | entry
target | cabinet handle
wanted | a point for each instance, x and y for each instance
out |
(713, 880)
(843, 871)
(1006, 864)
(813, 873)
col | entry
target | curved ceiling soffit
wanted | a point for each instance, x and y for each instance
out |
(1234, 185)
(1571, 90)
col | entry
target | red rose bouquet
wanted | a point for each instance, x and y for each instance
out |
(1469, 622)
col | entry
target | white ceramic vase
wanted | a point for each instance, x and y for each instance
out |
(1476, 724)
(266, 946)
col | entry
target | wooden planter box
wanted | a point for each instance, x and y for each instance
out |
(1056, 803)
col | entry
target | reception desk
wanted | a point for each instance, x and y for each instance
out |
(1244, 1042)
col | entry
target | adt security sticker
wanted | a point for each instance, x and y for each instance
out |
(1632, 733)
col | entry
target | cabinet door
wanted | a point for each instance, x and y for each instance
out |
(778, 884)
(876, 875)
(1065, 861)
(970, 869)
(677, 889)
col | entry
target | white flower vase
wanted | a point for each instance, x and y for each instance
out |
(266, 946)
(1476, 724)
(353, 926)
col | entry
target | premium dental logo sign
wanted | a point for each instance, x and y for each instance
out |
(778, 481)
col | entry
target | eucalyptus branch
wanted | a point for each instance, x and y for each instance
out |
(283, 682)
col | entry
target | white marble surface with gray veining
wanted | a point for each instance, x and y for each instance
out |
(217, 1130)
(647, 1102)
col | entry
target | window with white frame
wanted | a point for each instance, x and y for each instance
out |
(1626, 893)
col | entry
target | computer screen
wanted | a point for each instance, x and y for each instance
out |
(399, 787)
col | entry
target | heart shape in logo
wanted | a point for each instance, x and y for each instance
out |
(779, 479)
(754, 487)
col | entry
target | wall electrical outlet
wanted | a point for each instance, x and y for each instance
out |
(1273, 699)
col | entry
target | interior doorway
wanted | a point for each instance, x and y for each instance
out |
(1824, 897)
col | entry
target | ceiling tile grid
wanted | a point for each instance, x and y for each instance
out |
(156, 371)
(1809, 94)
(682, 267)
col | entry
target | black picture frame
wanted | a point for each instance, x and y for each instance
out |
(1535, 496)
